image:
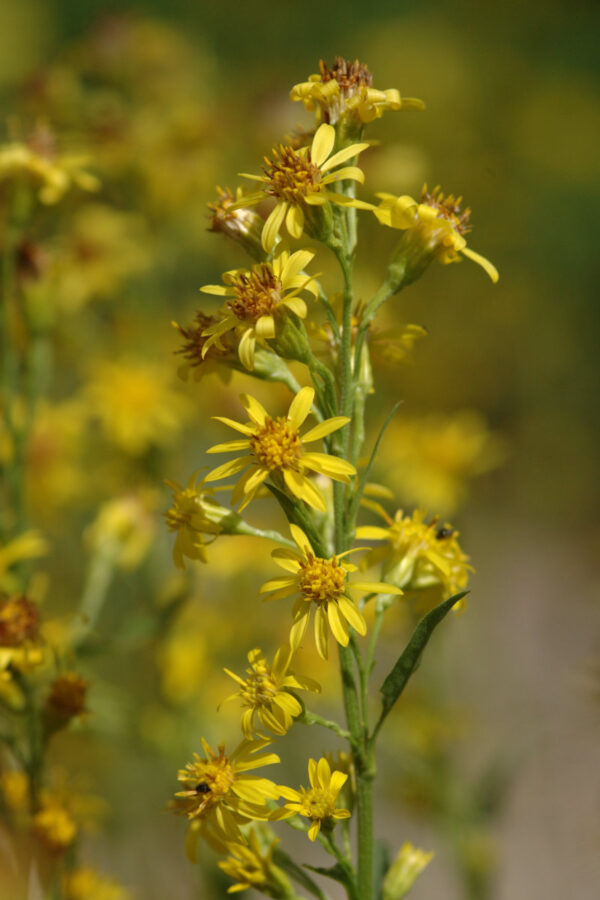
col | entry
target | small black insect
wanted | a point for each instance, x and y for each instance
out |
(203, 788)
(443, 533)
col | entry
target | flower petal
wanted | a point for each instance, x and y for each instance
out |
(273, 225)
(348, 173)
(342, 155)
(322, 144)
(294, 264)
(325, 428)
(485, 264)
(294, 221)
(255, 410)
(352, 615)
(300, 406)
(339, 629)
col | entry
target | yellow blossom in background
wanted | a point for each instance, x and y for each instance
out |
(85, 883)
(297, 178)
(134, 404)
(347, 87)
(125, 528)
(277, 451)
(317, 803)
(249, 865)
(14, 785)
(56, 476)
(193, 514)
(404, 871)
(260, 297)
(55, 826)
(20, 643)
(265, 693)
(418, 554)
(433, 458)
(437, 225)
(28, 545)
(324, 583)
(219, 795)
(37, 161)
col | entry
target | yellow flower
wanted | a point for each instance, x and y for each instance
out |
(124, 527)
(265, 692)
(85, 883)
(323, 582)
(296, 178)
(221, 356)
(219, 795)
(404, 871)
(196, 513)
(260, 297)
(317, 803)
(27, 545)
(437, 224)
(348, 88)
(14, 785)
(242, 225)
(37, 160)
(54, 826)
(249, 865)
(135, 407)
(20, 644)
(418, 554)
(277, 451)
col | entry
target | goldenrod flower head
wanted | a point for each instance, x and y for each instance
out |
(259, 298)
(250, 865)
(66, 699)
(54, 826)
(436, 227)
(85, 883)
(195, 513)
(317, 803)
(265, 692)
(238, 223)
(134, 405)
(323, 583)
(418, 554)
(300, 178)
(20, 644)
(198, 357)
(124, 528)
(404, 871)
(219, 794)
(347, 88)
(38, 161)
(276, 451)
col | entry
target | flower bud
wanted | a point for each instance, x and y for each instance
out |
(404, 871)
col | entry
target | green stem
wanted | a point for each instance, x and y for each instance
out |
(94, 594)
(310, 718)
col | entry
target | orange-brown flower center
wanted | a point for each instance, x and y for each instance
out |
(321, 580)
(448, 208)
(194, 339)
(260, 688)
(257, 293)
(277, 445)
(208, 782)
(290, 175)
(19, 620)
(348, 74)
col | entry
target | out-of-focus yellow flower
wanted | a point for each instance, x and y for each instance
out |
(14, 785)
(55, 826)
(317, 803)
(85, 883)
(29, 545)
(348, 88)
(220, 795)
(127, 526)
(65, 700)
(221, 356)
(436, 227)
(249, 865)
(277, 451)
(265, 692)
(55, 471)
(134, 405)
(20, 645)
(38, 161)
(418, 554)
(433, 458)
(324, 583)
(260, 297)
(404, 871)
(301, 178)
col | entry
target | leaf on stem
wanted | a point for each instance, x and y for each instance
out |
(337, 873)
(410, 657)
(281, 859)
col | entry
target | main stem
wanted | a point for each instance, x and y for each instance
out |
(344, 533)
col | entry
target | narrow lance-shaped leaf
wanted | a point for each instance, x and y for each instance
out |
(337, 873)
(408, 661)
(281, 859)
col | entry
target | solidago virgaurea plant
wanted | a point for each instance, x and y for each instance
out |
(314, 460)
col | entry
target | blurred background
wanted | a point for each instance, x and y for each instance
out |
(493, 761)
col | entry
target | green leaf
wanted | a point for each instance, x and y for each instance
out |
(408, 661)
(281, 859)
